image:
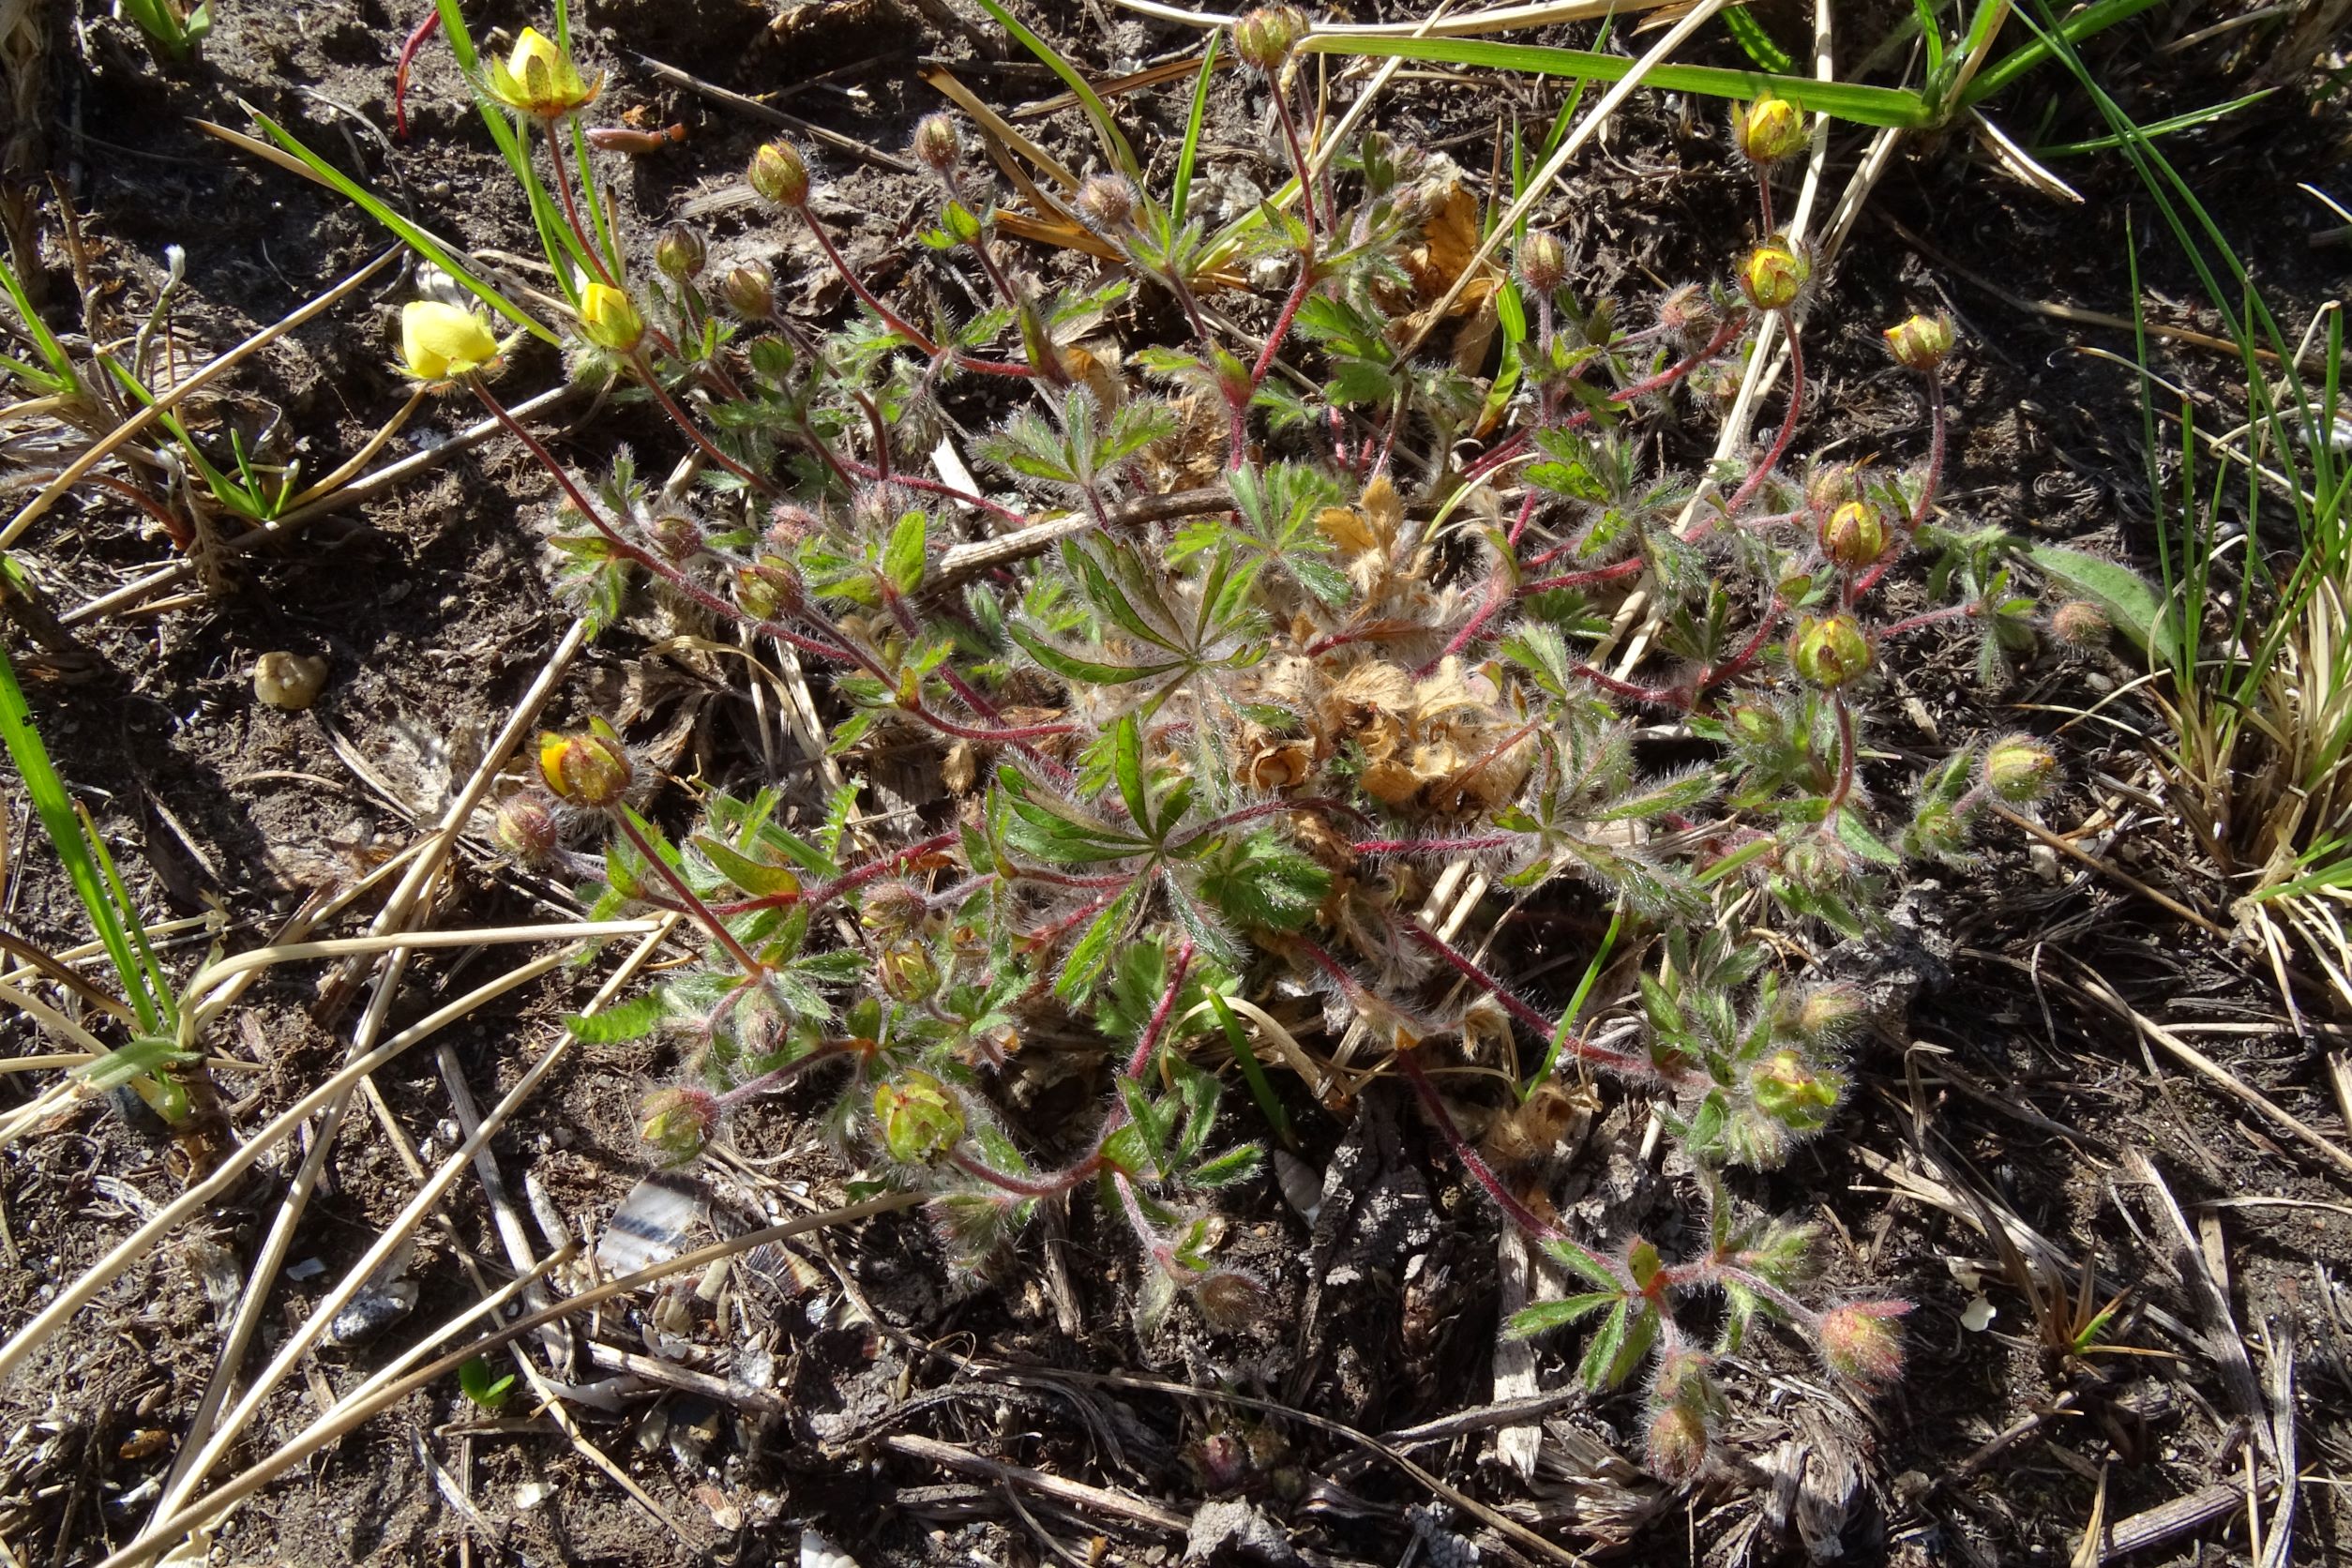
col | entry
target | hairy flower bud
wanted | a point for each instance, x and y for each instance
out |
(525, 827)
(1231, 1301)
(1920, 344)
(1830, 487)
(676, 1124)
(1861, 1342)
(749, 290)
(680, 253)
(1774, 275)
(936, 145)
(2080, 624)
(1106, 203)
(1678, 1443)
(1687, 312)
(919, 1118)
(907, 972)
(1792, 1093)
(1265, 37)
(779, 173)
(608, 320)
(1828, 1012)
(1828, 650)
(1854, 536)
(592, 770)
(892, 909)
(1543, 260)
(1767, 130)
(2019, 769)
(677, 537)
(768, 585)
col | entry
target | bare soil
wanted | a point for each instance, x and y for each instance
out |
(431, 608)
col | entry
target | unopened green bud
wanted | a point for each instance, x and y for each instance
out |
(749, 290)
(766, 586)
(1543, 260)
(1854, 536)
(1792, 1093)
(2019, 769)
(1830, 487)
(779, 173)
(676, 1124)
(1828, 650)
(892, 909)
(907, 972)
(1920, 344)
(919, 1118)
(1828, 1012)
(1767, 130)
(1774, 275)
(525, 827)
(680, 253)
(1265, 37)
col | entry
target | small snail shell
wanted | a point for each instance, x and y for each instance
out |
(291, 681)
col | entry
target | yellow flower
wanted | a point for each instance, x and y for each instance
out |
(592, 770)
(441, 342)
(1767, 130)
(538, 79)
(609, 319)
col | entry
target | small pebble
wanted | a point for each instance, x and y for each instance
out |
(289, 682)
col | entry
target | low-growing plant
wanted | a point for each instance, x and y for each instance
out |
(1271, 621)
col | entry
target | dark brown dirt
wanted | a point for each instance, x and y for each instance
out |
(431, 608)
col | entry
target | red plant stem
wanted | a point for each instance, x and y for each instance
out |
(1496, 457)
(1665, 697)
(1845, 785)
(1934, 450)
(1619, 1063)
(644, 370)
(701, 911)
(1298, 158)
(933, 487)
(1152, 1031)
(1023, 1186)
(1715, 674)
(890, 318)
(654, 563)
(1950, 612)
(847, 882)
(1132, 1206)
(1527, 515)
(399, 73)
(1432, 846)
(571, 213)
(775, 1078)
(1516, 1211)
(992, 367)
(1498, 594)
(1626, 568)
(172, 522)
(1268, 808)
(1731, 326)
(1299, 292)
(1787, 425)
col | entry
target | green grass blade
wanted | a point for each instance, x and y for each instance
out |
(52, 352)
(409, 233)
(1932, 37)
(1575, 1002)
(1759, 45)
(606, 240)
(1193, 122)
(1845, 100)
(63, 824)
(1107, 130)
(514, 145)
(159, 983)
(1253, 1072)
(2091, 19)
(2189, 121)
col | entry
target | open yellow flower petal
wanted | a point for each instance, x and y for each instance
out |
(440, 342)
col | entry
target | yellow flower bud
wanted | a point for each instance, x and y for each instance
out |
(441, 342)
(592, 770)
(920, 1119)
(1854, 536)
(779, 173)
(1774, 275)
(1920, 344)
(1767, 130)
(538, 79)
(608, 318)
(1829, 652)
